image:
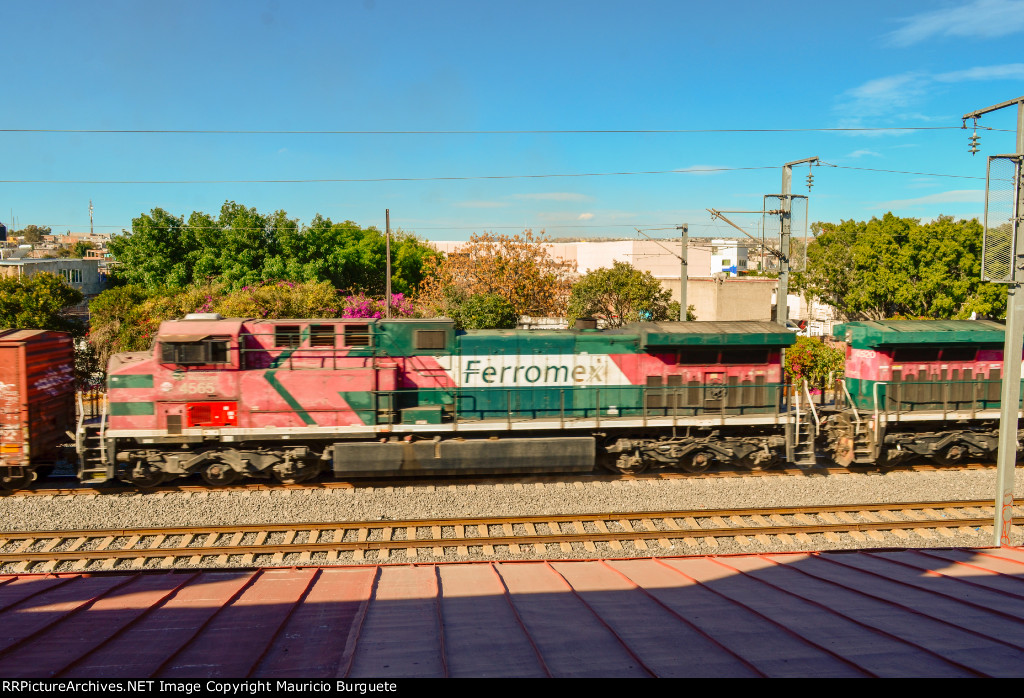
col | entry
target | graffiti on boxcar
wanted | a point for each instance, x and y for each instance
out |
(55, 380)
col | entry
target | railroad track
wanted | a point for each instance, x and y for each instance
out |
(198, 486)
(597, 535)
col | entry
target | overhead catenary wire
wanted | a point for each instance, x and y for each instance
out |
(701, 170)
(483, 132)
(353, 180)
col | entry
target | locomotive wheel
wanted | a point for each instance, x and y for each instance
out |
(758, 461)
(951, 455)
(220, 475)
(145, 477)
(697, 462)
(11, 482)
(295, 478)
(625, 463)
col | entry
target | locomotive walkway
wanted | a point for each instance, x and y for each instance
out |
(623, 534)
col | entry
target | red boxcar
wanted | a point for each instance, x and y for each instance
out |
(37, 401)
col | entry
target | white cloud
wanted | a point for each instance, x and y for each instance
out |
(704, 169)
(897, 97)
(553, 196)
(862, 153)
(959, 196)
(977, 19)
(585, 216)
(922, 183)
(1010, 71)
(482, 204)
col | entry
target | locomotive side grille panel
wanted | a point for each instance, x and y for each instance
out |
(430, 339)
(693, 393)
(993, 387)
(655, 398)
(357, 336)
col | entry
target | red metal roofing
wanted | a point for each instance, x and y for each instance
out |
(936, 612)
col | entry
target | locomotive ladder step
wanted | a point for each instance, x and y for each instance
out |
(862, 449)
(91, 465)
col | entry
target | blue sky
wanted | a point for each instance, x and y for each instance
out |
(449, 65)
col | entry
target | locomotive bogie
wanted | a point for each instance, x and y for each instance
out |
(696, 451)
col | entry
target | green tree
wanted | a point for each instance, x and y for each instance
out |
(620, 295)
(898, 266)
(155, 254)
(80, 247)
(38, 302)
(479, 311)
(518, 268)
(814, 360)
(117, 321)
(32, 233)
(243, 247)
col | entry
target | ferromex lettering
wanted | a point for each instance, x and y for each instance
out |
(540, 370)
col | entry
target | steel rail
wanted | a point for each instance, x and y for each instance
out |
(183, 548)
(541, 539)
(9, 536)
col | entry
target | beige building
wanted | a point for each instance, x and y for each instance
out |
(715, 295)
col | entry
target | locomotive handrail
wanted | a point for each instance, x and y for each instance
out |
(814, 412)
(849, 398)
(874, 399)
(80, 426)
(103, 431)
(796, 416)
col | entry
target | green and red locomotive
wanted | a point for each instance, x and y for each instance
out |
(918, 388)
(229, 398)
(289, 399)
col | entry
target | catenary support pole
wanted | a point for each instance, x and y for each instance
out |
(782, 295)
(683, 271)
(1013, 346)
(387, 293)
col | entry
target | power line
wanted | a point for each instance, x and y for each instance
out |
(922, 174)
(412, 228)
(498, 132)
(380, 179)
(702, 170)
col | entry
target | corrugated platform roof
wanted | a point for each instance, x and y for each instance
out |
(936, 613)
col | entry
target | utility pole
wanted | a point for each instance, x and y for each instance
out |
(682, 265)
(1013, 344)
(683, 270)
(90, 218)
(387, 227)
(782, 295)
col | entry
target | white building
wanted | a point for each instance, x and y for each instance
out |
(729, 256)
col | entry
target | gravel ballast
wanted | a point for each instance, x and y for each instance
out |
(525, 498)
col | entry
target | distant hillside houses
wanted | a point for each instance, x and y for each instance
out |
(58, 246)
